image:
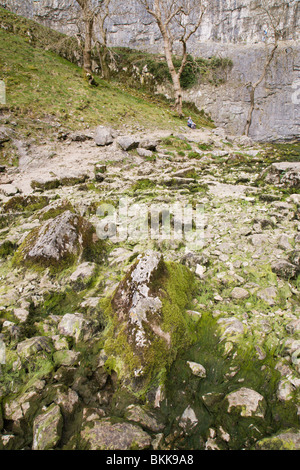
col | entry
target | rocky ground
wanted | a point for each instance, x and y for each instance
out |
(138, 342)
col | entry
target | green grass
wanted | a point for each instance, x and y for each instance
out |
(196, 70)
(52, 92)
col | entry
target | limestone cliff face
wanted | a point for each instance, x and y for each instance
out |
(232, 28)
(277, 110)
(226, 21)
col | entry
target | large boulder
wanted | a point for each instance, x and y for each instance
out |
(104, 136)
(283, 173)
(4, 136)
(57, 243)
(246, 402)
(149, 319)
(104, 435)
(75, 326)
(128, 143)
(69, 177)
(34, 345)
(288, 440)
(143, 417)
(47, 428)
(284, 269)
(20, 409)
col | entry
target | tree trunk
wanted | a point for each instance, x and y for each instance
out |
(87, 52)
(255, 85)
(103, 57)
(249, 118)
(174, 75)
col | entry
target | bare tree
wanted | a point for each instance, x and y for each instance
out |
(94, 16)
(177, 21)
(102, 48)
(88, 19)
(273, 17)
(89, 9)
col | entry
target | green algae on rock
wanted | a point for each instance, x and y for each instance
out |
(58, 243)
(148, 321)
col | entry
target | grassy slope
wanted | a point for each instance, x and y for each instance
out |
(43, 86)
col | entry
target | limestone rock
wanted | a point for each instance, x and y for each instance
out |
(197, 369)
(287, 440)
(47, 428)
(188, 419)
(21, 314)
(24, 406)
(128, 143)
(104, 435)
(134, 302)
(104, 136)
(33, 345)
(231, 328)
(285, 390)
(284, 269)
(259, 240)
(4, 136)
(75, 326)
(238, 293)
(8, 189)
(49, 181)
(284, 243)
(283, 173)
(66, 358)
(146, 419)
(82, 275)
(68, 401)
(294, 258)
(268, 295)
(149, 145)
(247, 402)
(58, 241)
(142, 304)
(79, 136)
(144, 152)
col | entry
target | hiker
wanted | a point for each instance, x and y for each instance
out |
(191, 123)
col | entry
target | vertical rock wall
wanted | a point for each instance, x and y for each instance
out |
(232, 28)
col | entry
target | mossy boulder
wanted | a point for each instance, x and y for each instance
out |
(34, 345)
(144, 418)
(106, 435)
(25, 204)
(288, 440)
(247, 402)
(57, 243)
(283, 173)
(149, 323)
(47, 428)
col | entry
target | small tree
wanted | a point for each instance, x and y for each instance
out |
(103, 51)
(273, 18)
(94, 16)
(88, 16)
(177, 21)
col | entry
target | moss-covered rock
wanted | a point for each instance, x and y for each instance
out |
(58, 243)
(47, 429)
(148, 320)
(31, 346)
(25, 204)
(289, 440)
(105, 435)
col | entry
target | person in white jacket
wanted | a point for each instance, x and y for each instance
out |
(191, 123)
